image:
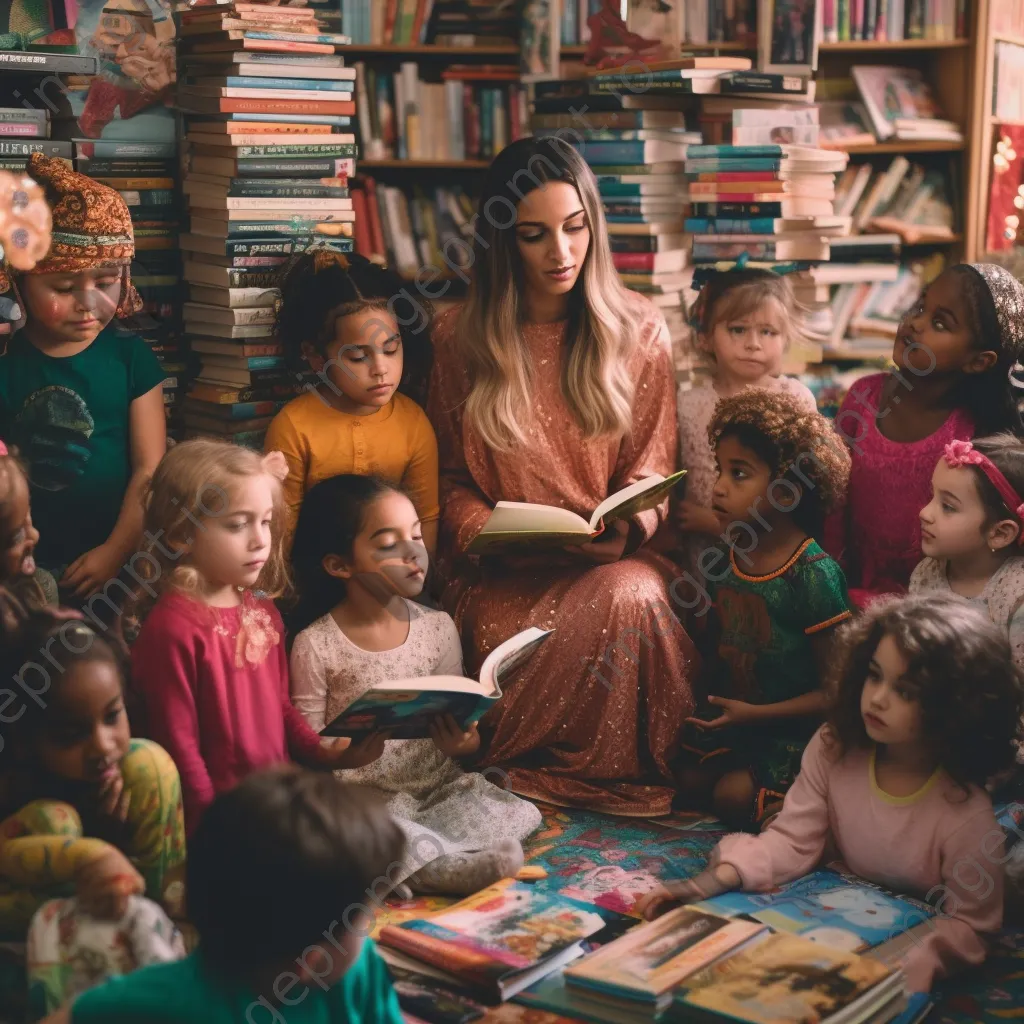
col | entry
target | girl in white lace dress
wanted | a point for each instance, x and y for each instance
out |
(743, 320)
(973, 528)
(359, 560)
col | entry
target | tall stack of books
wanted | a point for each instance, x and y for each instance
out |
(769, 205)
(269, 106)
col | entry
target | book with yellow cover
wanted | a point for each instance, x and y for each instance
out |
(520, 522)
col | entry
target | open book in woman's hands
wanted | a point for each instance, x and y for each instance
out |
(520, 522)
(406, 707)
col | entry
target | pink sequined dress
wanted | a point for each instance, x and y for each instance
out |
(593, 719)
(876, 535)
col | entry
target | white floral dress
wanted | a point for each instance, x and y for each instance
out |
(440, 808)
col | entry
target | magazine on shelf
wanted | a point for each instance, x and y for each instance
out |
(406, 707)
(516, 522)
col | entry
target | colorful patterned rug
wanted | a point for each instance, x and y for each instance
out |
(607, 860)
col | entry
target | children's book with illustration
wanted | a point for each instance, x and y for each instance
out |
(499, 940)
(831, 907)
(645, 964)
(520, 522)
(406, 707)
(787, 978)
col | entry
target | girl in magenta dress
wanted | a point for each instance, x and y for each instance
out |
(209, 664)
(954, 353)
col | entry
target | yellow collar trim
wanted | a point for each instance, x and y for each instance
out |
(899, 801)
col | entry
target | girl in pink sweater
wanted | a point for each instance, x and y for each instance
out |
(927, 708)
(954, 353)
(209, 664)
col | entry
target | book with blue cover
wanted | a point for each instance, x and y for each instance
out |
(831, 907)
(406, 707)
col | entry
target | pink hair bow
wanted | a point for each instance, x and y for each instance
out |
(963, 453)
(3, 449)
(276, 465)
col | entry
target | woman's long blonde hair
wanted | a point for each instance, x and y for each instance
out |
(603, 323)
(192, 483)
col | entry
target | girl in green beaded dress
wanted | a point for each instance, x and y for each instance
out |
(775, 600)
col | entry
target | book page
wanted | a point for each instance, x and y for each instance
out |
(523, 517)
(638, 497)
(507, 657)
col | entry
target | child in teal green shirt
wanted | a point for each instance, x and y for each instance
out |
(278, 873)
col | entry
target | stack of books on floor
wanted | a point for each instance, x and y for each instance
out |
(481, 108)
(718, 960)
(894, 20)
(424, 229)
(269, 108)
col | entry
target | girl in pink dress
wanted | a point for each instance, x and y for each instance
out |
(954, 353)
(927, 709)
(209, 664)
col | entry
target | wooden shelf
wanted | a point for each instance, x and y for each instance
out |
(1005, 37)
(866, 45)
(903, 146)
(419, 165)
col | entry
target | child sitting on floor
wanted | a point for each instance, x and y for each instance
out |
(79, 395)
(776, 603)
(209, 663)
(927, 708)
(971, 531)
(355, 325)
(278, 875)
(744, 320)
(360, 563)
(953, 353)
(81, 802)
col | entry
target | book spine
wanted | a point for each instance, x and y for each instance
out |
(286, 151)
(328, 168)
(293, 84)
(744, 81)
(737, 208)
(728, 226)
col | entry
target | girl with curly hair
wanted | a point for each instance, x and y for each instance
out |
(926, 708)
(955, 352)
(973, 528)
(366, 339)
(209, 663)
(744, 321)
(776, 603)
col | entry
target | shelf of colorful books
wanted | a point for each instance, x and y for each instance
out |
(864, 45)
(904, 146)
(418, 165)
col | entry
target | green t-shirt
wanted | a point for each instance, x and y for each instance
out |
(185, 993)
(69, 418)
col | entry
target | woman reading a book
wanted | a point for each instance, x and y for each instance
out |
(553, 384)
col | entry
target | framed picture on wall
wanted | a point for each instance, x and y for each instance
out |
(788, 32)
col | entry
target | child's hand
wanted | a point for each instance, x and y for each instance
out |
(451, 739)
(356, 755)
(103, 886)
(711, 882)
(90, 571)
(114, 799)
(695, 518)
(734, 712)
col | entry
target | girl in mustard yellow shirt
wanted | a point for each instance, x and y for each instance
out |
(356, 326)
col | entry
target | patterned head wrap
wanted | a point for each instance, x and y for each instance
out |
(1008, 299)
(91, 228)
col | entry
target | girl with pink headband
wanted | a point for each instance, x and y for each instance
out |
(956, 355)
(972, 531)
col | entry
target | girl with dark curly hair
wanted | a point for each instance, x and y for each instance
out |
(955, 352)
(367, 340)
(776, 602)
(927, 707)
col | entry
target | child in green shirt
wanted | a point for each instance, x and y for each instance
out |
(80, 396)
(277, 880)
